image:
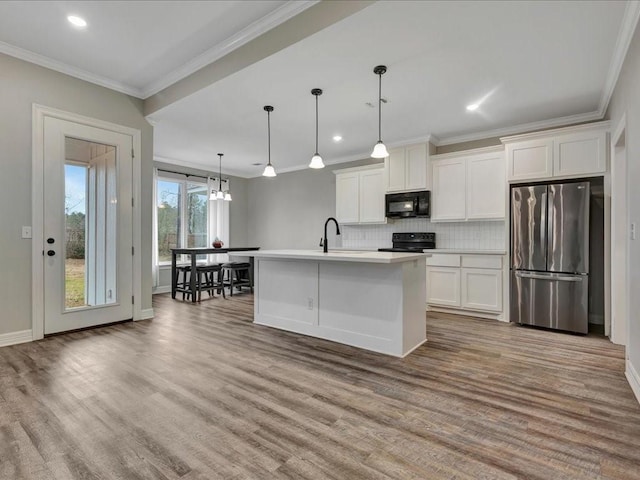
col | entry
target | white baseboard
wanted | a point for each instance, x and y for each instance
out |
(161, 289)
(466, 313)
(633, 378)
(14, 338)
(146, 313)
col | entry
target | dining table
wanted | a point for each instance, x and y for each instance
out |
(193, 253)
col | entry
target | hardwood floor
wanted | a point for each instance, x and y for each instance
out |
(200, 392)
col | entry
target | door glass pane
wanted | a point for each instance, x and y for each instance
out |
(91, 207)
(75, 209)
(169, 221)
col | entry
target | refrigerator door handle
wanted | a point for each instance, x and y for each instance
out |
(543, 220)
(562, 278)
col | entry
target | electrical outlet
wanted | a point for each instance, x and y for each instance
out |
(26, 232)
(310, 303)
(633, 231)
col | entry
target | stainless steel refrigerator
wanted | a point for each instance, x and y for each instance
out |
(550, 256)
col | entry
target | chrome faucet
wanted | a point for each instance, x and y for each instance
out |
(323, 242)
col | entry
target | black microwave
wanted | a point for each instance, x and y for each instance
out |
(407, 204)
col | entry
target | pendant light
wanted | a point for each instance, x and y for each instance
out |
(380, 150)
(316, 160)
(269, 171)
(220, 194)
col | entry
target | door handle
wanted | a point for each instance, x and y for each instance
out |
(51, 253)
(549, 277)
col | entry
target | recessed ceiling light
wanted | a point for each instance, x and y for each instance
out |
(337, 138)
(77, 21)
(472, 107)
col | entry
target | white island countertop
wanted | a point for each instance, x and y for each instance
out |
(360, 256)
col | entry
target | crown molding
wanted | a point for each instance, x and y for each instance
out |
(31, 57)
(202, 168)
(257, 28)
(523, 127)
(625, 35)
(605, 125)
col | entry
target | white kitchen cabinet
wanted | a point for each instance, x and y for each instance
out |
(360, 195)
(481, 289)
(406, 168)
(348, 197)
(448, 191)
(580, 153)
(470, 284)
(486, 186)
(371, 203)
(443, 286)
(468, 185)
(530, 160)
(562, 153)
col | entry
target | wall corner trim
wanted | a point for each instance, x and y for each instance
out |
(633, 378)
(13, 338)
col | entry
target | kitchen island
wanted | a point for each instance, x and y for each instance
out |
(371, 300)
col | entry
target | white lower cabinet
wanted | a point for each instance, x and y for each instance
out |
(470, 283)
(443, 286)
(481, 289)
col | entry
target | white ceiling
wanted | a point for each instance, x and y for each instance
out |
(136, 47)
(536, 64)
(532, 61)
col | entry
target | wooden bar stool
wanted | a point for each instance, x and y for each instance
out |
(210, 278)
(237, 275)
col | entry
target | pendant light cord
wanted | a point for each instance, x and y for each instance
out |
(269, 135)
(316, 124)
(380, 107)
(220, 173)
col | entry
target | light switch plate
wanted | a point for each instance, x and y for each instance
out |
(633, 231)
(26, 232)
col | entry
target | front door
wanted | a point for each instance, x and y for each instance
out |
(88, 267)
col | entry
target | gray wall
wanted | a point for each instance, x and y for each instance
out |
(289, 211)
(626, 99)
(21, 85)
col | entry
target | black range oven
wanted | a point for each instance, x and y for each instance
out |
(407, 204)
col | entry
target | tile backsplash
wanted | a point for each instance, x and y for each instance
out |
(471, 235)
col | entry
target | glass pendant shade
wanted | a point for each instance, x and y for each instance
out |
(219, 195)
(227, 197)
(379, 150)
(213, 194)
(269, 171)
(316, 162)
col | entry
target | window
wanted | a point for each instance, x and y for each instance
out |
(182, 215)
(185, 217)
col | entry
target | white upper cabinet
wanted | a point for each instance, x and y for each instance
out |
(448, 194)
(563, 153)
(468, 185)
(530, 160)
(372, 196)
(486, 186)
(580, 153)
(406, 168)
(348, 197)
(360, 194)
